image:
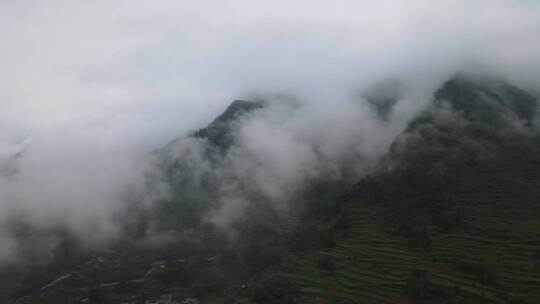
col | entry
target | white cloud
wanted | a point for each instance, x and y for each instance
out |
(97, 84)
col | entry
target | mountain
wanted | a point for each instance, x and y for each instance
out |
(452, 214)
(448, 215)
(219, 132)
(191, 164)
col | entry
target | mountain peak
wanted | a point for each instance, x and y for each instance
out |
(237, 108)
(219, 132)
(487, 99)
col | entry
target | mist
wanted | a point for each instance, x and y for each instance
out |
(89, 89)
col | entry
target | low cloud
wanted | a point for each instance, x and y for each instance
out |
(97, 86)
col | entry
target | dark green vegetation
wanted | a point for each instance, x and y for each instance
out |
(449, 216)
(452, 215)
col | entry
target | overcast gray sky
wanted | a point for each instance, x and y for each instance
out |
(165, 66)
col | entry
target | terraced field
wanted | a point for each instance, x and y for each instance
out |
(493, 258)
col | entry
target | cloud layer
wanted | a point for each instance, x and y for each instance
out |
(87, 89)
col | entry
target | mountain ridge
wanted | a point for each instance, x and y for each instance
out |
(459, 185)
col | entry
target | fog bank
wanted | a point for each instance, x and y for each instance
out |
(89, 89)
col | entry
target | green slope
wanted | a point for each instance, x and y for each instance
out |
(491, 257)
(451, 217)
